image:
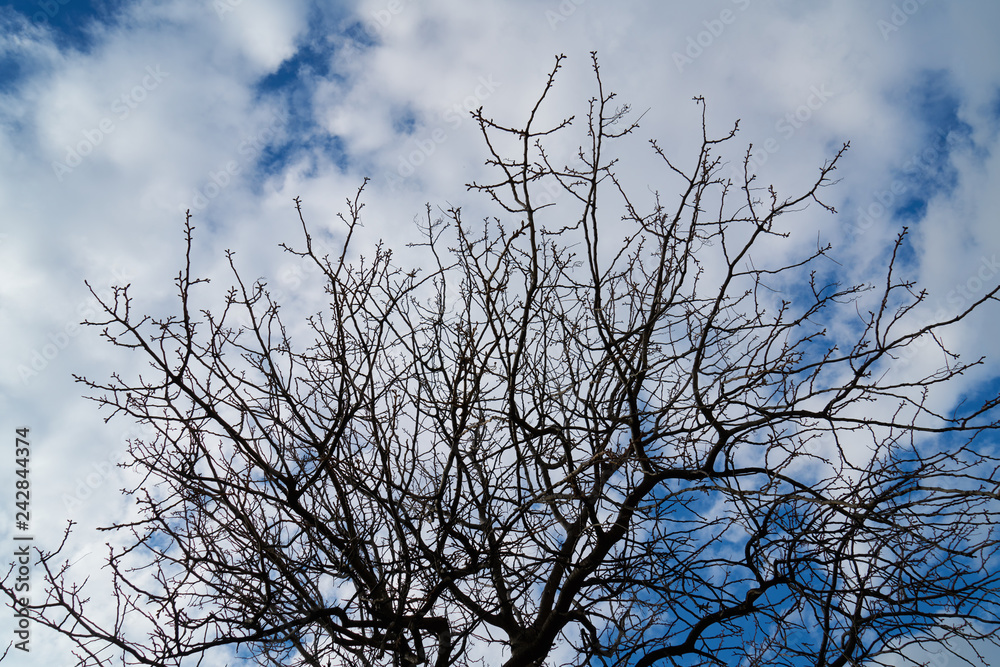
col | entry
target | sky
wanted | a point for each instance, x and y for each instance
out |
(117, 117)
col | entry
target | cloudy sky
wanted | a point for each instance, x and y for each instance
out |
(116, 117)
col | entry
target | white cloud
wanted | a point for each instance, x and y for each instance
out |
(205, 137)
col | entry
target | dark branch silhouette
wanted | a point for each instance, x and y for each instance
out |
(600, 429)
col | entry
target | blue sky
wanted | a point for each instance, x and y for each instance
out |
(116, 117)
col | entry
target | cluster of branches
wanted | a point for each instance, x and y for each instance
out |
(549, 449)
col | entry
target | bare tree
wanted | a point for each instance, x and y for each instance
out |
(578, 438)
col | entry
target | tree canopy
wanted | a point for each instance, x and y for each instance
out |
(602, 428)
